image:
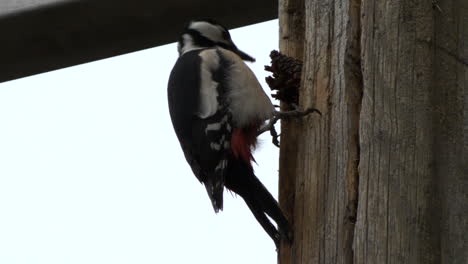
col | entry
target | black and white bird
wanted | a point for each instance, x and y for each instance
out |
(217, 107)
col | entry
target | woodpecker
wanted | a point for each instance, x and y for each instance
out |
(217, 107)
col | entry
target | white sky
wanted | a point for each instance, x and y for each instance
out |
(91, 170)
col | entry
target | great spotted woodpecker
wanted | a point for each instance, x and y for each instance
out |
(217, 107)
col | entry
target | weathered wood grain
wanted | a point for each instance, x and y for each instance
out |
(326, 177)
(382, 176)
(413, 180)
(291, 21)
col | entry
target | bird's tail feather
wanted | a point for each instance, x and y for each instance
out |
(215, 185)
(244, 182)
(215, 193)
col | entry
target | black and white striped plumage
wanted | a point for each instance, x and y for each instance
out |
(217, 106)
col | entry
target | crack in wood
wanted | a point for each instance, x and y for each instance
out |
(353, 75)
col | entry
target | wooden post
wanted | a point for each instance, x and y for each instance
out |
(413, 192)
(381, 177)
(291, 26)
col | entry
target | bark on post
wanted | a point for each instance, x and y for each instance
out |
(381, 177)
(327, 151)
(413, 193)
(291, 21)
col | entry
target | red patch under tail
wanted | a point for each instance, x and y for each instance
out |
(243, 140)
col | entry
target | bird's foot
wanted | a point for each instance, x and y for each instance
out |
(296, 113)
(285, 237)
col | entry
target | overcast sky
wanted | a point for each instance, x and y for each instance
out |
(91, 170)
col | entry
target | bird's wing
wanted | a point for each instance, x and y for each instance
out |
(201, 120)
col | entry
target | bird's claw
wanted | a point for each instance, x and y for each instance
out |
(296, 113)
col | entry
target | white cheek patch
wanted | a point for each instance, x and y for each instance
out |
(208, 104)
(210, 31)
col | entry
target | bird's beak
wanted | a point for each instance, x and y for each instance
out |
(240, 53)
(243, 55)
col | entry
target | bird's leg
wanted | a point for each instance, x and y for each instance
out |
(277, 115)
(295, 113)
(270, 126)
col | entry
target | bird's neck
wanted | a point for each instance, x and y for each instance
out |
(187, 44)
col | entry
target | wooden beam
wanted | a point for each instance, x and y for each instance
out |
(56, 34)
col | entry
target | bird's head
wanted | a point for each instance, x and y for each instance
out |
(206, 34)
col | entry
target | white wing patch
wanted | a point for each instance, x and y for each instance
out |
(214, 126)
(208, 104)
(217, 126)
